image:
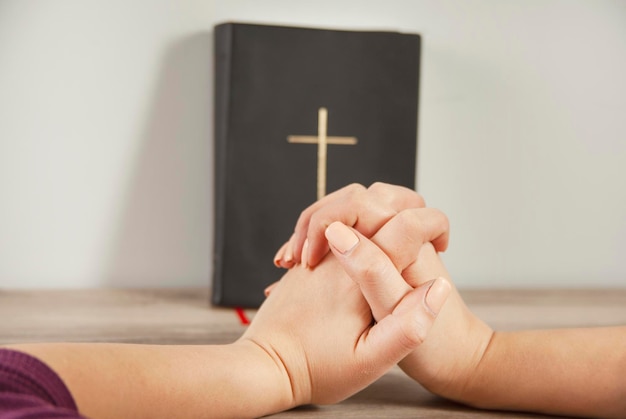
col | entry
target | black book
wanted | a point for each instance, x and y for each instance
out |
(301, 112)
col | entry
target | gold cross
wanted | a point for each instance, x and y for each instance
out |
(322, 141)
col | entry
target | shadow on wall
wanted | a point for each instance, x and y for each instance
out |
(165, 230)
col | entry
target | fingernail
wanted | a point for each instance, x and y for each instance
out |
(436, 295)
(341, 237)
(305, 253)
(268, 290)
(279, 255)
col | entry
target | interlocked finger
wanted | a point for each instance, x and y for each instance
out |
(367, 210)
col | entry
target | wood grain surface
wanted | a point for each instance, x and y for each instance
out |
(184, 316)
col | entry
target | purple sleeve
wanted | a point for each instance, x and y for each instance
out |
(30, 389)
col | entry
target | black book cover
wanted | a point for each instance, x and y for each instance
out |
(277, 89)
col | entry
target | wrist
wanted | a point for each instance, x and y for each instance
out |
(266, 382)
(447, 362)
(476, 383)
(234, 380)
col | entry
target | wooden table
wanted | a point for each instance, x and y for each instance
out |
(185, 317)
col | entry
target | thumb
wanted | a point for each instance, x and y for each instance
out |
(404, 315)
(400, 332)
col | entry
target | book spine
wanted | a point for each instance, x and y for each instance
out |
(223, 38)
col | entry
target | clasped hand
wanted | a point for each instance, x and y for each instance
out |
(336, 322)
(365, 290)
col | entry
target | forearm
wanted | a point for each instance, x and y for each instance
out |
(575, 372)
(122, 380)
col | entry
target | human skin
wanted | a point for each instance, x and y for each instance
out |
(365, 209)
(574, 372)
(569, 372)
(312, 341)
(395, 220)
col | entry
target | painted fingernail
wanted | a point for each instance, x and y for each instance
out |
(436, 295)
(305, 253)
(341, 237)
(267, 291)
(279, 255)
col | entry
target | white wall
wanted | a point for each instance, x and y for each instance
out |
(106, 166)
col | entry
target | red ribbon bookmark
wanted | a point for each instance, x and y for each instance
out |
(242, 316)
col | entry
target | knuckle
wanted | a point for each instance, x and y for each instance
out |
(398, 194)
(380, 191)
(410, 222)
(354, 188)
(352, 195)
(378, 186)
(357, 199)
(409, 229)
(372, 272)
(413, 333)
(318, 221)
(408, 218)
(419, 199)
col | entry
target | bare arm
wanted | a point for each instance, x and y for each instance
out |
(123, 380)
(312, 341)
(576, 372)
(572, 372)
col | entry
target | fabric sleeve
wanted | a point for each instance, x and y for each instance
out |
(30, 389)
